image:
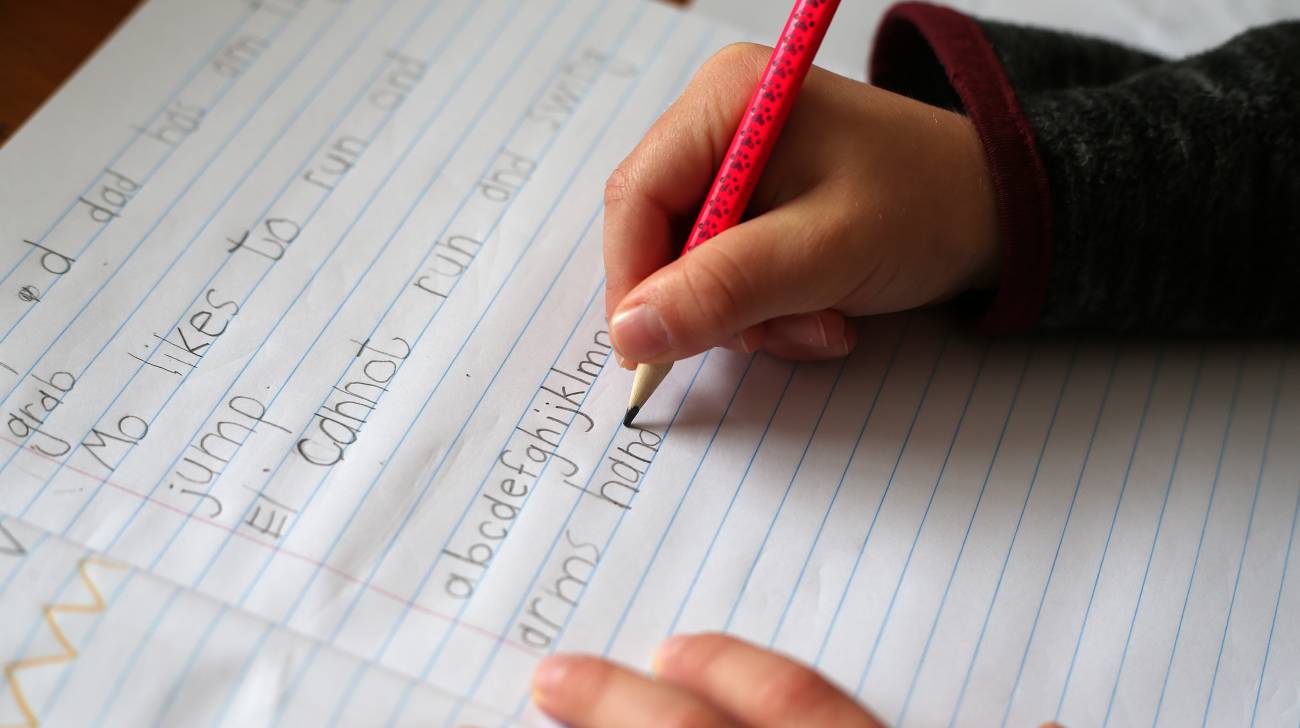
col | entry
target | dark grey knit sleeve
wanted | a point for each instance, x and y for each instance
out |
(1135, 193)
(1175, 191)
(1039, 59)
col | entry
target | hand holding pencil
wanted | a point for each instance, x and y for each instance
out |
(870, 203)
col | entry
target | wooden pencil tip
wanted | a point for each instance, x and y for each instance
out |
(644, 383)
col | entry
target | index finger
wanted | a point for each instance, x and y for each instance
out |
(588, 692)
(662, 182)
(758, 687)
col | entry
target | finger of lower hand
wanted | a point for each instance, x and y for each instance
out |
(756, 686)
(588, 692)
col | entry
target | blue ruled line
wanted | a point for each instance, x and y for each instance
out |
(572, 331)
(220, 715)
(442, 642)
(179, 681)
(248, 361)
(675, 87)
(1155, 537)
(401, 620)
(243, 122)
(86, 641)
(618, 523)
(726, 513)
(780, 506)
(22, 560)
(489, 100)
(205, 286)
(546, 557)
(425, 489)
(429, 571)
(925, 516)
(128, 667)
(39, 621)
(884, 493)
(203, 62)
(1277, 605)
(1245, 545)
(40, 614)
(1205, 522)
(1110, 531)
(667, 33)
(441, 47)
(1015, 534)
(379, 255)
(853, 453)
(1056, 555)
(672, 520)
(181, 195)
(58, 597)
(961, 550)
(496, 646)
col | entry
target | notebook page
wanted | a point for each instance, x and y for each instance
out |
(310, 324)
(102, 643)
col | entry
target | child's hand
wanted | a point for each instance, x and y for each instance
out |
(701, 681)
(871, 203)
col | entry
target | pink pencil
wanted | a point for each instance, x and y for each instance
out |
(750, 149)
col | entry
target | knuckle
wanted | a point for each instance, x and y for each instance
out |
(698, 654)
(717, 288)
(617, 185)
(729, 75)
(584, 685)
(688, 715)
(792, 691)
(737, 56)
(590, 677)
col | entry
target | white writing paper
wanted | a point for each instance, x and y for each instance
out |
(301, 322)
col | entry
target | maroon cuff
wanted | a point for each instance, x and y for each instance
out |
(911, 36)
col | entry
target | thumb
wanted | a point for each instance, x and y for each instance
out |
(762, 269)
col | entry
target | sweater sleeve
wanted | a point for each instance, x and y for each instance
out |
(1134, 193)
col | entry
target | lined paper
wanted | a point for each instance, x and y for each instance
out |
(306, 377)
(97, 635)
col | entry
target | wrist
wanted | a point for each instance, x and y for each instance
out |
(973, 230)
(965, 72)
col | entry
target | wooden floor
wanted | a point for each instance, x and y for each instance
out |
(43, 41)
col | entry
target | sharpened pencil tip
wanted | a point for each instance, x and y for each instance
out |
(632, 412)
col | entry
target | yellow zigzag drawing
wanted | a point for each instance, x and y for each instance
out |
(69, 652)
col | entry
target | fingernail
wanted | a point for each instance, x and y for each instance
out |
(667, 649)
(639, 333)
(809, 330)
(738, 343)
(550, 675)
(850, 338)
(821, 332)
